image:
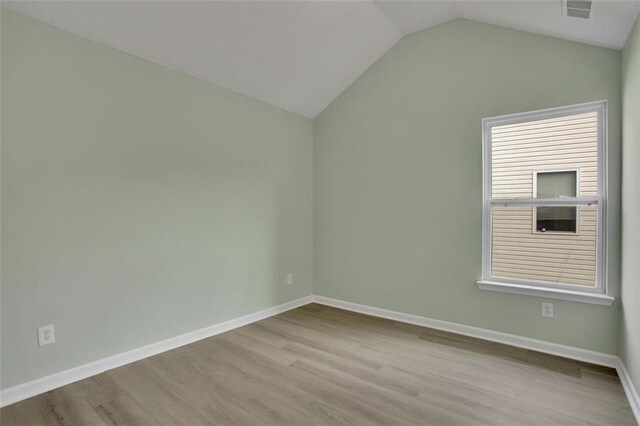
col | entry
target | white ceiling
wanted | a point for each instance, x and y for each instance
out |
(300, 55)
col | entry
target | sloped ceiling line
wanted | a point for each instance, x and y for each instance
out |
(300, 55)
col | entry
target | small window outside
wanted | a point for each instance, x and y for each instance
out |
(556, 184)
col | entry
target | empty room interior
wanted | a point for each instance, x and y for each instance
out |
(320, 212)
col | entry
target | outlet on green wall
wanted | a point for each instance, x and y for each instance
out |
(398, 176)
(137, 203)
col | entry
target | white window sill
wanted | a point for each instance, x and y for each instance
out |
(549, 293)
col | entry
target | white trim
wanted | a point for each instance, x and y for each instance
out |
(571, 352)
(526, 287)
(27, 390)
(549, 292)
(546, 113)
(566, 201)
(629, 389)
(578, 354)
(601, 108)
(47, 383)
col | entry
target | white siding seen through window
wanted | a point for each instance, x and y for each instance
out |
(544, 198)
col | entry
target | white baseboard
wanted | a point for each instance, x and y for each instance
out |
(629, 389)
(47, 383)
(481, 333)
(578, 354)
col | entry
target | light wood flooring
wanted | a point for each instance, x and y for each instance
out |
(317, 365)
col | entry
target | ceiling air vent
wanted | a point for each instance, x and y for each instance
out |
(577, 9)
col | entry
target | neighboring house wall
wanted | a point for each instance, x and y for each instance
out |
(630, 324)
(519, 150)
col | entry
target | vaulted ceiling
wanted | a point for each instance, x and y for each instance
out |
(300, 55)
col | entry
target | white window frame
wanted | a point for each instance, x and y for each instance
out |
(579, 293)
(534, 210)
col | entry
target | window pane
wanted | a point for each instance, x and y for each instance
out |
(519, 253)
(556, 219)
(556, 184)
(520, 150)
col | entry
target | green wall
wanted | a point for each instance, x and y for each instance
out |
(630, 324)
(138, 203)
(398, 172)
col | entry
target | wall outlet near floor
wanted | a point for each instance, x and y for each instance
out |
(547, 310)
(46, 335)
(289, 279)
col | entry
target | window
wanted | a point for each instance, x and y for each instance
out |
(544, 203)
(559, 184)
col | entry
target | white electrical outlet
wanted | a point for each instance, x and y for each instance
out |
(289, 279)
(547, 310)
(46, 335)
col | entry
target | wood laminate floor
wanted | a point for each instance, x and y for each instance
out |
(317, 365)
